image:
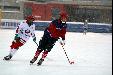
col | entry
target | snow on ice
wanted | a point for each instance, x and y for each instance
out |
(92, 54)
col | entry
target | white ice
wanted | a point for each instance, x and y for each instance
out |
(92, 54)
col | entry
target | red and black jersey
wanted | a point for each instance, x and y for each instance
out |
(56, 29)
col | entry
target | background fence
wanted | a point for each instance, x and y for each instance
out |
(71, 26)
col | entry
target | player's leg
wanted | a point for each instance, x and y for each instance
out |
(14, 47)
(43, 57)
(40, 48)
(49, 46)
(37, 53)
(84, 31)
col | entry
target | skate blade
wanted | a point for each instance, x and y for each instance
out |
(5, 59)
(38, 64)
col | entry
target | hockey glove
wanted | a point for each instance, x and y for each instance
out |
(62, 42)
(17, 38)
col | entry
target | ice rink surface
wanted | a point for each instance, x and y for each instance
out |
(92, 54)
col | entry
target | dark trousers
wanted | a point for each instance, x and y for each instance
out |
(46, 43)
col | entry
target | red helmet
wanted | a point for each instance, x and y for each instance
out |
(63, 15)
(30, 18)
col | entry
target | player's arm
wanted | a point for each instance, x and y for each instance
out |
(33, 33)
(62, 42)
(18, 30)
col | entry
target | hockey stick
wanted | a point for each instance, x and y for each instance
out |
(71, 62)
(36, 43)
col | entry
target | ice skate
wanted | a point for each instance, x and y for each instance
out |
(7, 57)
(40, 62)
(33, 60)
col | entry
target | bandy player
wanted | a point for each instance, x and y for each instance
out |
(56, 30)
(23, 32)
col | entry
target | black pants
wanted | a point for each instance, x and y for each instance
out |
(46, 43)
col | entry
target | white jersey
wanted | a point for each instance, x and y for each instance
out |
(25, 31)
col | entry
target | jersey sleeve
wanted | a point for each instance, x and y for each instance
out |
(19, 28)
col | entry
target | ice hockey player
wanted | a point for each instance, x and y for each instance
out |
(23, 32)
(56, 30)
(85, 27)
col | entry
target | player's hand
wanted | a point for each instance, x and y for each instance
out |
(34, 39)
(16, 38)
(62, 42)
